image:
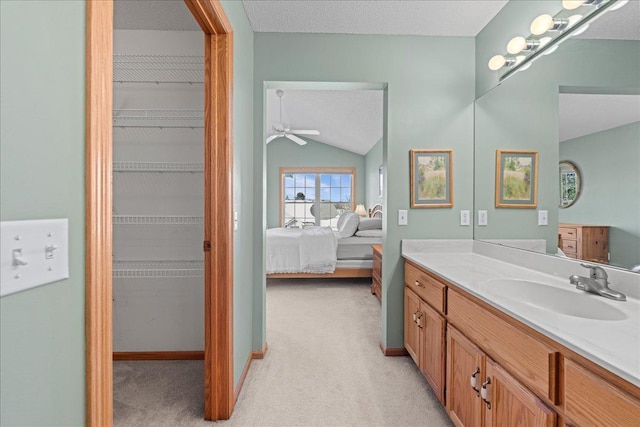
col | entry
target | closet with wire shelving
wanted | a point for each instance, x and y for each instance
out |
(158, 191)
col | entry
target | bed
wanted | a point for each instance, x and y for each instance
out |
(319, 252)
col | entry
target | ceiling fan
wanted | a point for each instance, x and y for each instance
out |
(281, 131)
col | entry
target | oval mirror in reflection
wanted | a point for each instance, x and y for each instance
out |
(569, 183)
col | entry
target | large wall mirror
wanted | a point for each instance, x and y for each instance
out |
(580, 104)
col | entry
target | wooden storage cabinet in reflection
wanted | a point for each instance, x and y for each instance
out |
(376, 273)
(585, 242)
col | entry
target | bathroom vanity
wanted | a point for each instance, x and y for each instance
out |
(502, 342)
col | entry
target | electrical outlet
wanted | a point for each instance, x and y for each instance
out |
(543, 217)
(483, 218)
(402, 217)
(465, 218)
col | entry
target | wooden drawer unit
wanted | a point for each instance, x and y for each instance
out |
(586, 242)
(426, 286)
(590, 400)
(376, 273)
(532, 362)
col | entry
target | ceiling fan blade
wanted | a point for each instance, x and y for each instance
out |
(295, 139)
(305, 132)
(272, 137)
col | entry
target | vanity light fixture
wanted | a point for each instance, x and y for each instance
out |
(548, 31)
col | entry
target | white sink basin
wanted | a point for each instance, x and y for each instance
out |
(553, 299)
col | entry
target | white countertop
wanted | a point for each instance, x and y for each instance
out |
(612, 344)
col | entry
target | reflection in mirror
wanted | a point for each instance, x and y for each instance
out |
(574, 105)
(569, 183)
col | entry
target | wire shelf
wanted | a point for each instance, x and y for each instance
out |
(157, 167)
(132, 118)
(157, 220)
(157, 269)
(158, 69)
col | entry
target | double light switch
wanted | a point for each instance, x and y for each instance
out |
(33, 253)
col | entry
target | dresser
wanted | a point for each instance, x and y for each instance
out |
(585, 242)
(376, 273)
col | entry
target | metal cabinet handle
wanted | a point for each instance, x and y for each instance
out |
(473, 379)
(484, 393)
(420, 320)
(418, 284)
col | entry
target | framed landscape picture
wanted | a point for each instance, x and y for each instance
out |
(431, 178)
(516, 179)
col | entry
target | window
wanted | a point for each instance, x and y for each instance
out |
(315, 196)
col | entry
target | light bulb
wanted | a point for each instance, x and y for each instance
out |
(572, 4)
(497, 62)
(516, 45)
(573, 20)
(551, 50)
(541, 24)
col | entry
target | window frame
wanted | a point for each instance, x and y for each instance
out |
(316, 170)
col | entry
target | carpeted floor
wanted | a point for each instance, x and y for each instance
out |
(324, 367)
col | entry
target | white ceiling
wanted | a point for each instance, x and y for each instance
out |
(351, 120)
(425, 18)
(584, 114)
(170, 15)
(617, 25)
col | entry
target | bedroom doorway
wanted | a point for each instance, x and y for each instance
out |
(218, 219)
(323, 158)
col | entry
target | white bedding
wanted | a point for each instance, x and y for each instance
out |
(309, 250)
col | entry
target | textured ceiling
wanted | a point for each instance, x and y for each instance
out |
(170, 15)
(347, 119)
(428, 18)
(621, 24)
(582, 114)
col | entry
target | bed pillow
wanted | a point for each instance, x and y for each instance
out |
(369, 233)
(348, 224)
(370, 224)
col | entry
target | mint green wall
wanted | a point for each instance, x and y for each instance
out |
(42, 176)
(285, 153)
(608, 164)
(429, 104)
(243, 192)
(372, 162)
(522, 113)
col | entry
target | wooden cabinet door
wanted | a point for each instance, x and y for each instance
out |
(508, 403)
(432, 360)
(463, 360)
(411, 329)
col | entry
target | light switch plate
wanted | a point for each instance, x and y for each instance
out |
(483, 218)
(402, 217)
(543, 217)
(33, 253)
(465, 217)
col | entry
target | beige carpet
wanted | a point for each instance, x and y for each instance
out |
(323, 368)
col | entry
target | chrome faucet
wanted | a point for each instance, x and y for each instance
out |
(597, 283)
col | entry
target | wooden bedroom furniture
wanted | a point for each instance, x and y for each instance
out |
(338, 273)
(376, 273)
(501, 372)
(586, 242)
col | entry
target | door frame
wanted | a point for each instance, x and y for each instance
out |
(218, 217)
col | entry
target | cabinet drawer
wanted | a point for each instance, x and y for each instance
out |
(568, 233)
(590, 400)
(530, 361)
(426, 286)
(569, 246)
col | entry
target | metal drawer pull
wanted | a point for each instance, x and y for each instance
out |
(484, 393)
(420, 285)
(473, 380)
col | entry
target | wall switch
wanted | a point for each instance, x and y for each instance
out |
(483, 218)
(465, 218)
(543, 217)
(402, 217)
(33, 253)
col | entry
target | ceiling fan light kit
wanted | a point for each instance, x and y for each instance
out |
(281, 131)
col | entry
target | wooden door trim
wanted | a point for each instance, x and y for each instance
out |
(98, 199)
(219, 391)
